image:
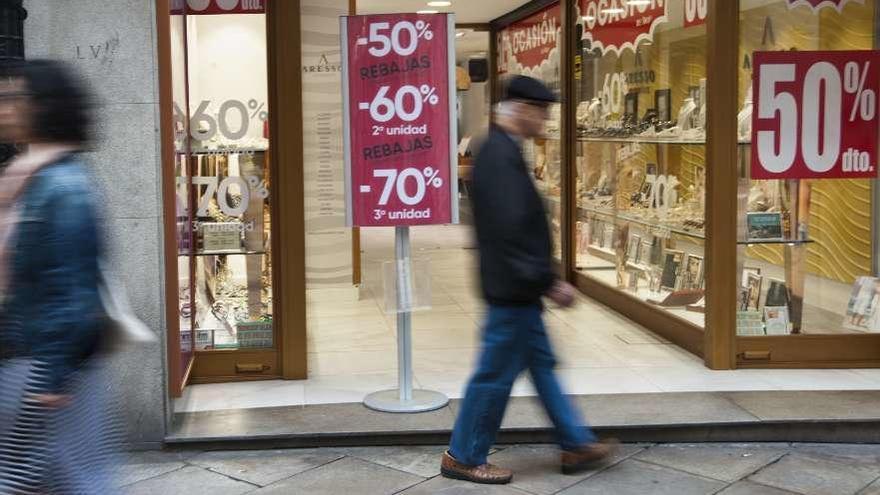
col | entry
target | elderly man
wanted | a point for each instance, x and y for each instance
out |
(516, 272)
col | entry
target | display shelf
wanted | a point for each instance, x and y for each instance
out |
(229, 252)
(790, 242)
(228, 151)
(641, 140)
(586, 210)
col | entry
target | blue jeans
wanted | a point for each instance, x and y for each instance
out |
(514, 339)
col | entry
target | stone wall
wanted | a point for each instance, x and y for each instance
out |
(113, 44)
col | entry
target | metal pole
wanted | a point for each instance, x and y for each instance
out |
(404, 318)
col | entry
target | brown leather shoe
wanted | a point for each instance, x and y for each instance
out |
(588, 456)
(485, 474)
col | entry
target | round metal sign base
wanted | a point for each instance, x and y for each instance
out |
(422, 401)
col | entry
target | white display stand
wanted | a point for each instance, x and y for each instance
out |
(404, 399)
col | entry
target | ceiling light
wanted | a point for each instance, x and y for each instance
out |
(439, 4)
(426, 11)
(639, 3)
(589, 18)
(613, 10)
(459, 34)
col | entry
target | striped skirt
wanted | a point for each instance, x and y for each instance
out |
(68, 450)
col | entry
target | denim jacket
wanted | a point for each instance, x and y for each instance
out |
(53, 312)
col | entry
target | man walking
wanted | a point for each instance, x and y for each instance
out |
(516, 272)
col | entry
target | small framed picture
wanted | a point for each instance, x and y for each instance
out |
(671, 267)
(644, 253)
(742, 299)
(631, 107)
(657, 251)
(632, 248)
(863, 309)
(693, 272)
(764, 226)
(663, 104)
(608, 237)
(777, 294)
(776, 320)
(745, 275)
(754, 285)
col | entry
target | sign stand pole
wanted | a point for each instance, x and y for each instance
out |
(404, 399)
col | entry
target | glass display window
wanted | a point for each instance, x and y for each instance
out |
(640, 92)
(225, 210)
(532, 47)
(806, 260)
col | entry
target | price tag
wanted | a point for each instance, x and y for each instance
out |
(815, 115)
(400, 133)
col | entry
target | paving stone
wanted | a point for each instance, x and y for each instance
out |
(633, 477)
(721, 462)
(422, 461)
(140, 466)
(264, 467)
(817, 475)
(190, 480)
(868, 454)
(749, 488)
(872, 489)
(445, 486)
(346, 476)
(536, 467)
(809, 405)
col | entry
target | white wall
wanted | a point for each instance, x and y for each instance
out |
(113, 45)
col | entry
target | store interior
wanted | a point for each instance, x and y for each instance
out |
(639, 226)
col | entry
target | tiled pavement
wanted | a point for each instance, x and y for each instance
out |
(676, 469)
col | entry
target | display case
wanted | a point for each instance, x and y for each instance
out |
(640, 154)
(662, 217)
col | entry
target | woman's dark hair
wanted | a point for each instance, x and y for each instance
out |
(62, 104)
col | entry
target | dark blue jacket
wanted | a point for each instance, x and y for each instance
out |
(53, 313)
(516, 264)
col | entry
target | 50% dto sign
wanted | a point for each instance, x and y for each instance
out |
(821, 115)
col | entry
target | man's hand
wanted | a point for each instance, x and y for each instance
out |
(562, 293)
(53, 401)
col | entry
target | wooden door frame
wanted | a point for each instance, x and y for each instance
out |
(286, 135)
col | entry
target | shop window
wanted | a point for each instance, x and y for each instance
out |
(224, 181)
(640, 87)
(806, 257)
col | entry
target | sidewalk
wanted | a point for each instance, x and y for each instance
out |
(643, 469)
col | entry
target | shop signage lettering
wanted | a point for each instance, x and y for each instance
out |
(528, 43)
(615, 25)
(695, 12)
(217, 7)
(815, 114)
(817, 5)
(399, 119)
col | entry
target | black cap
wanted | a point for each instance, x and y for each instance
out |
(527, 88)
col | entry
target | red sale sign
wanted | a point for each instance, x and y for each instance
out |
(217, 7)
(614, 25)
(695, 12)
(528, 43)
(815, 115)
(400, 126)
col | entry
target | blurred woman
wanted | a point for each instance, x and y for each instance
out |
(55, 424)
